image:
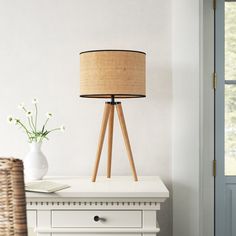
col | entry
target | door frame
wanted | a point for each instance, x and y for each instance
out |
(220, 180)
(219, 118)
(207, 122)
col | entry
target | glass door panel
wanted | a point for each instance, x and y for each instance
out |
(230, 88)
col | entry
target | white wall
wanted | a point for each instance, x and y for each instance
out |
(40, 41)
(185, 123)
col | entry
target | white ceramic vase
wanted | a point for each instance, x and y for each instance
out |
(35, 163)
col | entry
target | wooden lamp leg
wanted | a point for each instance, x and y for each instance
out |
(126, 139)
(101, 139)
(110, 139)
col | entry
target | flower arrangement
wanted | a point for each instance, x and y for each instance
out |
(34, 134)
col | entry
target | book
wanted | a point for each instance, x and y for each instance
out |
(44, 186)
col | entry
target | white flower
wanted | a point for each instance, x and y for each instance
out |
(21, 106)
(16, 121)
(29, 114)
(49, 115)
(35, 101)
(10, 119)
(62, 128)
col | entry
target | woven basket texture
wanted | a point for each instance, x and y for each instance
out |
(12, 198)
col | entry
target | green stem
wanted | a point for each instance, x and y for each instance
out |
(32, 128)
(41, 138)
(45, 124)
(53, 130)
(32, 122)
(26, 130)
(36, 116)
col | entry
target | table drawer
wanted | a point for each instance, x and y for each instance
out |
(67, 219)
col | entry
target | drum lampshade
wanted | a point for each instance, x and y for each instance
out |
(107, 73)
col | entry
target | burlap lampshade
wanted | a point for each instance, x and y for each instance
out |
(118, 73)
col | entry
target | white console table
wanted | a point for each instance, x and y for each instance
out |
(116, 206)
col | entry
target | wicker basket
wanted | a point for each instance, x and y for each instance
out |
(12, 198)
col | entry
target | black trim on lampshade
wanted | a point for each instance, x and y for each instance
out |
(112, 50)
(120, 96)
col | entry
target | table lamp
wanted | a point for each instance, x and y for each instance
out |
(112, 74)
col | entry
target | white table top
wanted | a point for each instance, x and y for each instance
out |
(116, 187)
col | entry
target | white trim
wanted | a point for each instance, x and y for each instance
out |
(106, 204)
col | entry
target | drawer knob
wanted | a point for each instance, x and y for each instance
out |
(96, 218)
